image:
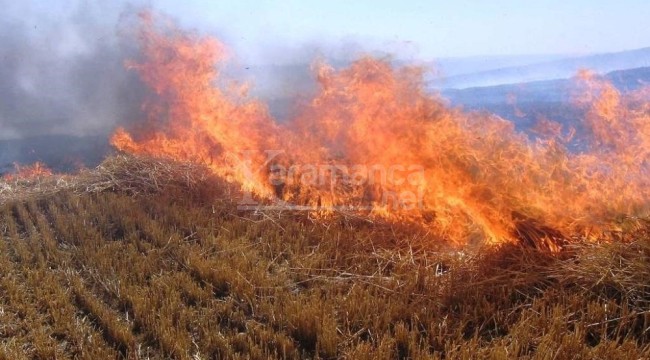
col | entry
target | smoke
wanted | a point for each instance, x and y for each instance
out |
(63, 69)
(64, 86)
(281, 74)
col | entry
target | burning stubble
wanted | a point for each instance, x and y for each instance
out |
(477, 175)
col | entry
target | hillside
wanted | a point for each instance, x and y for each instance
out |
(548, 70)
(524, 103)
(112, 266)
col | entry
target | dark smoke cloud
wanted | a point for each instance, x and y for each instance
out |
(62, 69)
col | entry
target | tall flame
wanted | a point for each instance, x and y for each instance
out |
(190, 119)
(373, 130)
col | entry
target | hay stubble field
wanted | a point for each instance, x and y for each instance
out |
(178, 272)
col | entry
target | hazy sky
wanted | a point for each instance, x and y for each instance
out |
(62, 61)
(413, 28)
(439, 28)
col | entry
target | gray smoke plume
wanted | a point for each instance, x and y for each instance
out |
(63, 83)
(62, 69)
(64, 87)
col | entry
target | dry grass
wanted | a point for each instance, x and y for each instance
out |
(142, 258)
(124, 173)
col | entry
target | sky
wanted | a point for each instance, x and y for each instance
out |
(427, 29)
(62, 61)
(411, 28)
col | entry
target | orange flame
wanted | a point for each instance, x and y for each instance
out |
(28, 172)
(194, 120)
(372, 138)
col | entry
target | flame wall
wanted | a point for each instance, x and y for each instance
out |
(372, 129)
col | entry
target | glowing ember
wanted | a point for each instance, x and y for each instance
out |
(372, 139)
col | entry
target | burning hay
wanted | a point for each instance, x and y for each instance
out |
(144, 175)
(356, 229)
(166, 276)
(33, 171)
(373, 140)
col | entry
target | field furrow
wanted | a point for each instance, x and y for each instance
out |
(112, 275)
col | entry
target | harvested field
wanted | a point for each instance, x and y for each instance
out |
(177, 272)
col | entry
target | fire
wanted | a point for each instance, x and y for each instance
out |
(192, 119)
(28, 172)
(373, 139)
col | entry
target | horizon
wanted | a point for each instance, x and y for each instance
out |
(63, 62)
(427, 30)
(412, 29)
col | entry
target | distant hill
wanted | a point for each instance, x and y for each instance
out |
(547, 70)
(280, 84)
(455, 66)
(524, 103)
(548, 90)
